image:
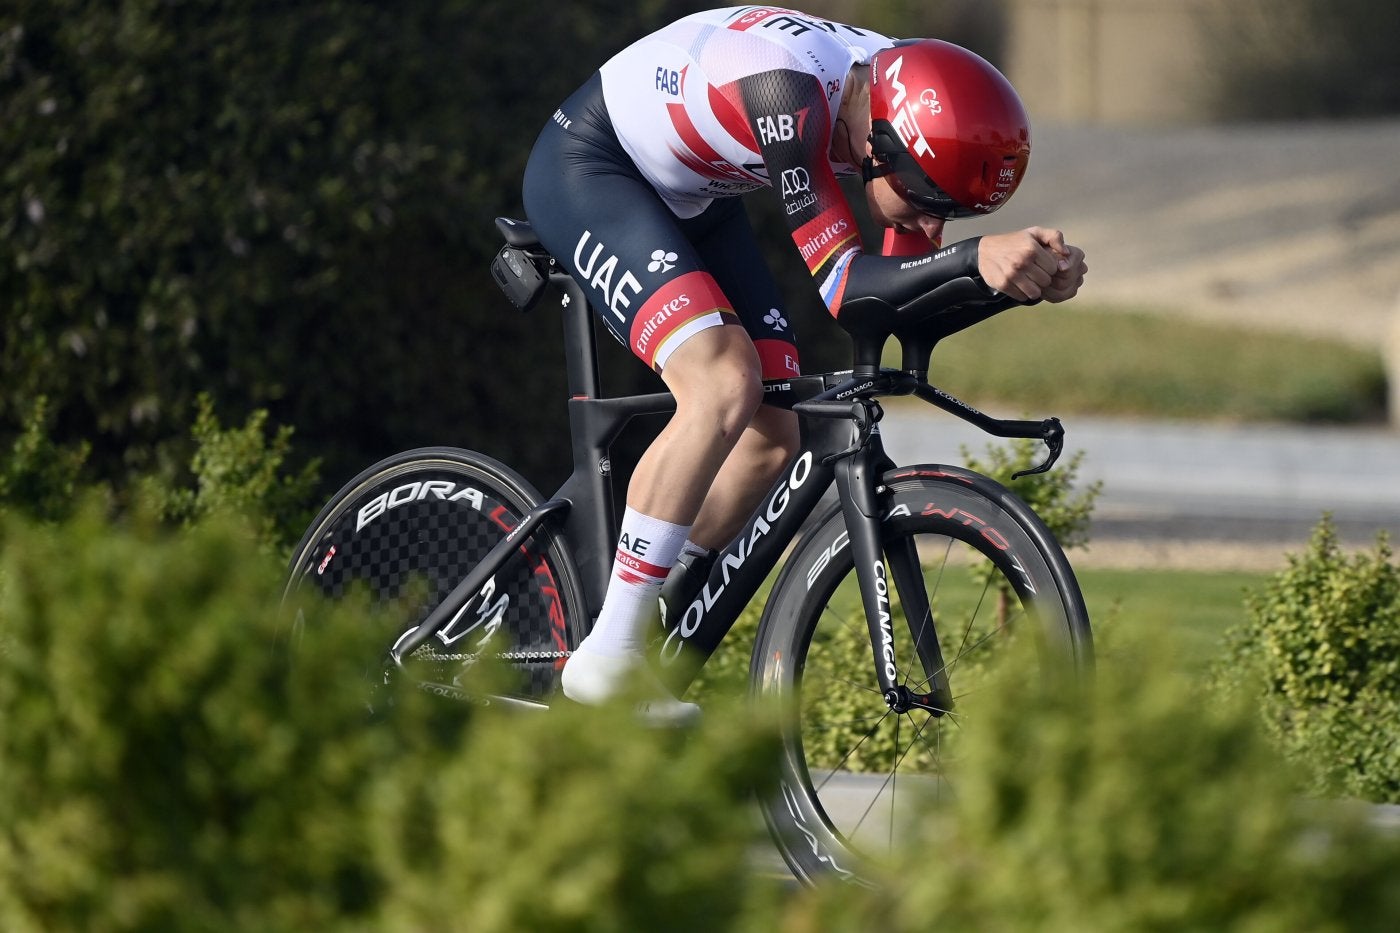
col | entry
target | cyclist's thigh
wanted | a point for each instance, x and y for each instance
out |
(598, 216)
(726, 242)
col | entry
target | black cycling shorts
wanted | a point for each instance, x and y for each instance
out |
(654, 278)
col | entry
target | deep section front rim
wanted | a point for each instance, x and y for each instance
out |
(858, 768)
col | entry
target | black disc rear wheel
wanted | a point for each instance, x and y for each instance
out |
(405, 532)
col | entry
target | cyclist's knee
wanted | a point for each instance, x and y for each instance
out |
(716, 375)
(729, 400)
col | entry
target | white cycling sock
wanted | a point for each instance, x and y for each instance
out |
(646, 549)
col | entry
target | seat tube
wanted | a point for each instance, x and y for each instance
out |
(857, 478)
(580, 340)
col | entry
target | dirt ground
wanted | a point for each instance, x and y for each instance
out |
(1287, 226)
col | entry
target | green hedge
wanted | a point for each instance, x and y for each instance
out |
(1321, 650)
(162, 768)
(288, 206)
(1291, 59)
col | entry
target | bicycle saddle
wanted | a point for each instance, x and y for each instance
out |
(517, 232)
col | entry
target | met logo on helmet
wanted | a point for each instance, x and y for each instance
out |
(903, 121)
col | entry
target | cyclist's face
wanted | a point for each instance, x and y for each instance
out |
(893, 211)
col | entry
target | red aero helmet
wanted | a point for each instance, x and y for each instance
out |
(947, 128)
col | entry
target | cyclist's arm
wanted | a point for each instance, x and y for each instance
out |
(787, 111)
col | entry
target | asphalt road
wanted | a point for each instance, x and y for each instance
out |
(1286, 226)
(1227, 494)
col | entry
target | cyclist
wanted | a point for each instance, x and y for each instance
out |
(635, 185)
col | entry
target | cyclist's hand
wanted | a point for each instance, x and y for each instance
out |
(1030, 264)
(1069, 274)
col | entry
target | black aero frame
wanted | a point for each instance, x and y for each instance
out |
(841, 444)
(507, 568)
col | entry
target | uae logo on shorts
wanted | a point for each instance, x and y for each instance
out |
(661, 261)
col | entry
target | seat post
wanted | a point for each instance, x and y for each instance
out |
(580, 339)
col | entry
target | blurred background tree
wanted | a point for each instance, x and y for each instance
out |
(288, 207)
(285, 206)
(1302, 59)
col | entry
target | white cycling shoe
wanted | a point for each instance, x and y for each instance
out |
(592, 679)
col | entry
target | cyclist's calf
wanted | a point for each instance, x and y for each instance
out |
(762, 453)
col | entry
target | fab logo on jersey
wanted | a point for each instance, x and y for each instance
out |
(782, 127)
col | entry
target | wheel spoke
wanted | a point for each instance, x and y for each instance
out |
(889, 782)
(847, 757)
(854, 685)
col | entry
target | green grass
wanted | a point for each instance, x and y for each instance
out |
(1094, 361)
(1193, 608)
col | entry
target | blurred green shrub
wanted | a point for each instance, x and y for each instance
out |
(579, 820)
(157, 770)
(1138, 803)
(41, 478)
(160, 769)
(239, 472)
(1321, 650)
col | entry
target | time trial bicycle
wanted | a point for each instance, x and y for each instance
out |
(888, 605)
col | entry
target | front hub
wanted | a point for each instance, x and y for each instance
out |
(901, 700)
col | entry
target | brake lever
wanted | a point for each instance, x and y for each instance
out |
(865, 423)
(1053, 434)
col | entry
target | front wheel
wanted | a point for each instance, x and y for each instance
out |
(971, 568)
(405, 532)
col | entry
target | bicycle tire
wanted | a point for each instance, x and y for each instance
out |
(429, 515)
(845, 751)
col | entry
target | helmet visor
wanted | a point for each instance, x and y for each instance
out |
(922, 193)
(909, 180)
